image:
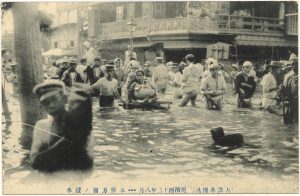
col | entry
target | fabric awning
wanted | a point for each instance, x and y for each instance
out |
(60, 52)
(270, 43)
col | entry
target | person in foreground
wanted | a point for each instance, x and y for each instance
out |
(63, 141)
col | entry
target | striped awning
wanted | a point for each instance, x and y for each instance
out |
(270, 43)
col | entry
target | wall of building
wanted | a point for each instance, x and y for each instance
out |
(64, 37)
(291, 20)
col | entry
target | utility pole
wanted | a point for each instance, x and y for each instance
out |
(29, 64)
(79, 30)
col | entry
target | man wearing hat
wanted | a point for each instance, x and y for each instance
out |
(213, 88)
(90, 52)
(160, 76)
(71, 76)
(63, 67)
(81, 69)
(120, 74)
(63, 140)
(245, 86)
(271, 87)
(176, 81)
(147, 70)
(290, 94)
(190, 79)
(209, 62)
(293, 61)
(52, 72)
(107, 88)
(111, 63)
(93, 71)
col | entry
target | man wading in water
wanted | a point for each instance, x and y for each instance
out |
(245, 86)
(63, 140)
(107, 86)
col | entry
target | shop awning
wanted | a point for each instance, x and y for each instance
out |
(60, 52)
(267, 43)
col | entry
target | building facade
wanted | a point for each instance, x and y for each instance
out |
(173, 29)
(70, 29)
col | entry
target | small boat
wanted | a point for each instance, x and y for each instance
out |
(157, 105)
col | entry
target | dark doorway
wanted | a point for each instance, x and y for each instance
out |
(178, 55)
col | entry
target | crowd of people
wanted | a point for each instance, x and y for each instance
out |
(71, 132)
(131, 81)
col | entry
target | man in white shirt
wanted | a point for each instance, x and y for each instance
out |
(90, 52)
(270, 88)
(176, 81)
(213, 87)
(160, 76)
(107, 87)
(52, 72)
(81, 69)
(190, 79)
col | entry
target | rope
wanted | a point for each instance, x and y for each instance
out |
(40, 129)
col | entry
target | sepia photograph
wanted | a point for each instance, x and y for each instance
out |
(149, 97)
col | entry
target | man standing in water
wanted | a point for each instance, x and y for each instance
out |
(71, 76)
(63, 140)
(107, 88)
(190, 79)
(93, 71)
(160, 76)
(270, 88)
(245, 86)
(213, 87)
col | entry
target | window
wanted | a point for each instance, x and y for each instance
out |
(72, 16)
(63, 18)
(138, 9)
(158, 10)
(55, 45)
(72, 45)
(120, 13)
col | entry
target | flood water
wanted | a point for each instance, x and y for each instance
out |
(172, 148)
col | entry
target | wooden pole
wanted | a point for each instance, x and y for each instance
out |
(29, 64)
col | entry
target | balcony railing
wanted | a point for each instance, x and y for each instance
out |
(249, 24)
(221, 23)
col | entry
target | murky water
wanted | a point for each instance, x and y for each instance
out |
(136, 144)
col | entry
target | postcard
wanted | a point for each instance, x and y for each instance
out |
(150, 97)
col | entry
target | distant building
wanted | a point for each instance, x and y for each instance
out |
(254, 30)
(67, 34)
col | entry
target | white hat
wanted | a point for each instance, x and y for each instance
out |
(211, 61)
(65, 60)
(48, 88)
(87, 44)
(134, 63)
(235, 66)
(247, 63)
(213, 65)
(170, 63)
